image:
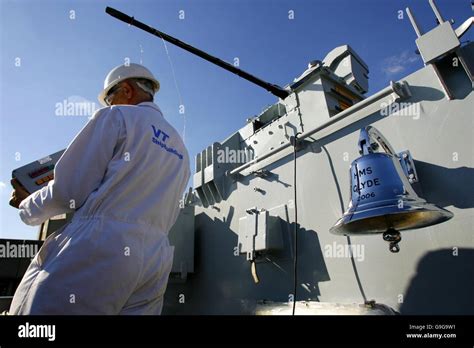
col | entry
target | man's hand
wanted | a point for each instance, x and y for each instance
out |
(19, 193)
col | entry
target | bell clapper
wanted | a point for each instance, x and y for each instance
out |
(394, 247)
(393, 237)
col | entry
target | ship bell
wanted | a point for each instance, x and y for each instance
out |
(382, 198)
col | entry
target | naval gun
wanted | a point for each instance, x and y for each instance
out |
(274, 89)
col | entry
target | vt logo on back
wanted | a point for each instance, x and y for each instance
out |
(160, 137)
(159, 133)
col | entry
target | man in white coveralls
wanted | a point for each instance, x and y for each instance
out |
(123, 175)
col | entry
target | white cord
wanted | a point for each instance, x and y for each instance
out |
(177, 90)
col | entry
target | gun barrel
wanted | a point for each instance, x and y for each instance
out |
(274, 89)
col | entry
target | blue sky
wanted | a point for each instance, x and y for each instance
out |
(53, 51)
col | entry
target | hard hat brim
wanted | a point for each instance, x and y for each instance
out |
(103, 93)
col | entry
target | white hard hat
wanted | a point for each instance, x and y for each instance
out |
(124, 72)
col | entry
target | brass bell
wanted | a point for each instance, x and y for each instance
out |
(382, 198)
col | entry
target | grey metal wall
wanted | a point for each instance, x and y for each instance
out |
(433, 272)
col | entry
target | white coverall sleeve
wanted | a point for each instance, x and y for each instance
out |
(79, 171)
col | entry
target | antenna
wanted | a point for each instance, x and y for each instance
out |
(436, 11)
(414, 23)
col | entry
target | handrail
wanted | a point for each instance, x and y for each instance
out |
(400, 89)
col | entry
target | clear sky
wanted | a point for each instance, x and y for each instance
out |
(55, 51)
